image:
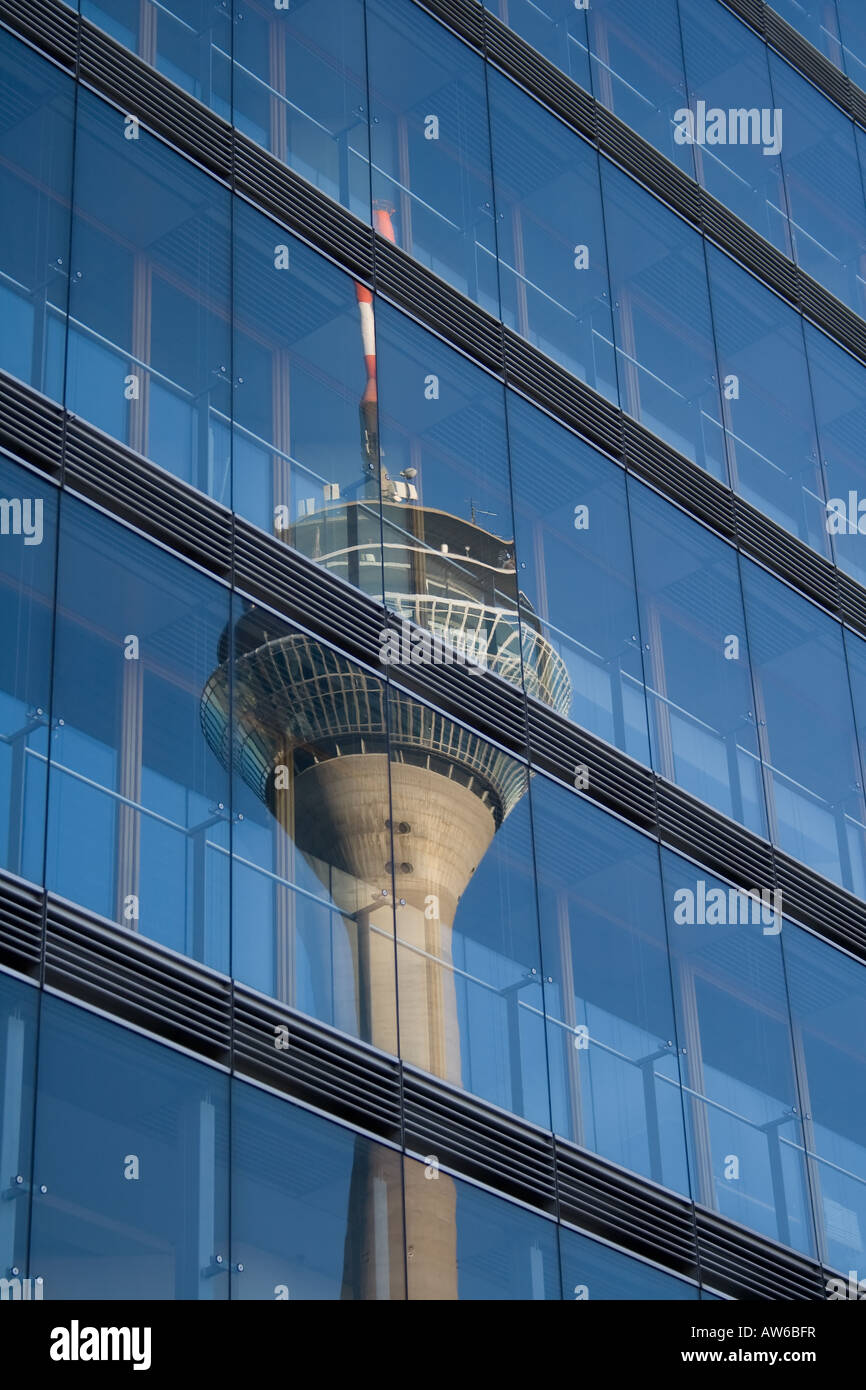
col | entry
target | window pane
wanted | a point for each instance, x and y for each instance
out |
(464, 1243)
(138, 819)
(828, 996)
(839, 392)
(610, 1022)
(809, 743)
(317, 1210)
(300, 91)
(637, 69)
(555, 27)
(726, 67)
(312, 920)
(824, 186)
(573, 538)
(767, 402)
(664, 342)
(592, 1271)
(28, 521)
(447, 517)
(469, 976)
(430, 148)
(696, 658)
(130, 1168)
(18, 1016)
(744, 1127)
(149, 343)
(553, 274)
(305, 467)
(35, 180)
(188, 41)
(855, 655)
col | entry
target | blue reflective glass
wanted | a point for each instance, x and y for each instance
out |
(130, 1165)
(304, 460)
(852, 28)
(557, 28)
(696, 658)
(855, 654)
(828, 997)
(593, 1271)
(317, 1210)
(300, 91)
(744, 1126)
(824, 186)
(817, 21)
(312, 914)
(35, 181)
(809, 745)
(18, 1015)
(664, 342)
(637, 69)
(430, 148)
(726, 68)
(448, 530)
(468, 963)
(572, 536)
(138, 818)
(188, 41)
(553, 274)
(464, 1243)
(767, 401)
(839, 392)
(149, 355)
(610, 1021)
(28, 526)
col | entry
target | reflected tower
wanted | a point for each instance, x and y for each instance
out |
(391, 804)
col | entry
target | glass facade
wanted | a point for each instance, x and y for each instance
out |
(190, 327)
(188, 768)
(196, 741)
